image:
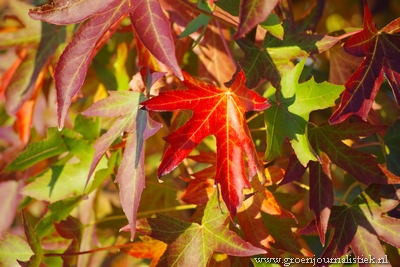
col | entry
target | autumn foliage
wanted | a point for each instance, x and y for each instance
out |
(199, 133)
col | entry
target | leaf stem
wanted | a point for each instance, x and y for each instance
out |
(228, 51)
(348, 191)
(198, 10)
(144, 213)
(306, 187)
(342, 202)
(86, 251)
(258, 129)
(252, 117)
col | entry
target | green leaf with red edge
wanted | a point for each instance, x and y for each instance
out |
(12, 249)
(199, 240)
(380, 50)
(252, 12)
(363, 222)
(218, 112)
(34, 243)
(288, 115)
(71, 228)
(275, 56)
(328, 139)
(138, 127)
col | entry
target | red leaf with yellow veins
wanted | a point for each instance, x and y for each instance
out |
(219, 112)
(380, 50)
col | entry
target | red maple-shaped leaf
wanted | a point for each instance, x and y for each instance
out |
(219, 112)
(380, 52)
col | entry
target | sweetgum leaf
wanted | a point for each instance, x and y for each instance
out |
(380, 52)
(214, 61)
(199, 240)
(218, 112)
(275, 56)
(147, 18)
(34, 243)
(321, 195)
(321, 189)
(138, 126)
(58, 211)
(392, 144)
(147, 248)
(288, 115)
(53, 145)
(28, 33)
(72, 66)
(69, 12)
(328, 138)
(154, 31)
(13, 248)
(361, 224)
(62, 181)
(253, 12)
(70, 228)
(341, 65)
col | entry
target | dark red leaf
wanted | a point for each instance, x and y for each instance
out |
(380, 51)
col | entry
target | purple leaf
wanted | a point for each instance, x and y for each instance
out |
(153, 29)
(253, 12)
(71, 69)
(63, 12)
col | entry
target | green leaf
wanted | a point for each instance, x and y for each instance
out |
(13, 248)
(197, 240)
(62, 181)
(274, 26)
(230, 6)
(392, 143)
(275, 56)
(52, 146)
(57, 211)
(87, 127)
(34, 243)
(201, 21)
(289, 113)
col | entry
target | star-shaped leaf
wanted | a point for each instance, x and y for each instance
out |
(380, 50)
(289, 112)
(219, 112)
(275, 56)
(199, 240)
(363, 222)
(138, 127)
(328, 138)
